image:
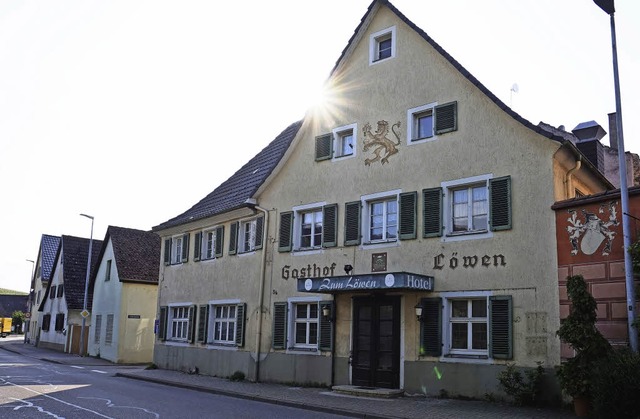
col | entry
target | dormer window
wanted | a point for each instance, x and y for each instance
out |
(382, 45)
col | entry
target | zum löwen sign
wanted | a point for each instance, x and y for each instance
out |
(376, 281)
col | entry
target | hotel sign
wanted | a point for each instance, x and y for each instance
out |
(381, 281)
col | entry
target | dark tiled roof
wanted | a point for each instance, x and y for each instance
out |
(233, 193)
(48, 248)
(11, 303)
(136, 253)
(451, 60)
(74, 267)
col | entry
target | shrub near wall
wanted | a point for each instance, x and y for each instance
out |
(615, 385)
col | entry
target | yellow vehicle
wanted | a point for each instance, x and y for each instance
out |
(5, 326)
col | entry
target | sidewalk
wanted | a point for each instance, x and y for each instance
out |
(317, 399)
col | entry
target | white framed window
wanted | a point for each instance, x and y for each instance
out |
(108, 336)
(420, 125)
(97, 329)
(308, 228)
(305, 325)
(382, 45)
(345, 139)
(224, 323)
(247, 236)
(107, 271)
(380, 217)
(209, 244)
(311, 229)
(466, 208)
(176, 249)
(466, 325)
(179, 322)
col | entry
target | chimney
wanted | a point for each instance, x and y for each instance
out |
(613, 131)
(589, 135)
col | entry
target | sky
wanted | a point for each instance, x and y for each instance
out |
(132, 111)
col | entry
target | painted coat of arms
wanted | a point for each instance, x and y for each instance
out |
(589, 231)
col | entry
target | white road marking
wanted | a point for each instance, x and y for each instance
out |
(30, 404)
(98, 371)
(75, 366)
(58, 400)
(110, 404)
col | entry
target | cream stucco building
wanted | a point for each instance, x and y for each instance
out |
(125, 294)
(401, 237)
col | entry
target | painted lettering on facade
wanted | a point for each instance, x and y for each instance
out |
(454, 261)
(309, 271)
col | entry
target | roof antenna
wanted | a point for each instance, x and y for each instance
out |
(514, 89)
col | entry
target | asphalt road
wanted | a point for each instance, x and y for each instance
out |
(30, 388)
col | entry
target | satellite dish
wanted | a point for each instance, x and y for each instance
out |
(515, 88)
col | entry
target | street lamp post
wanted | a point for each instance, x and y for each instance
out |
(608, 7)
(30, 302)
(86, 287)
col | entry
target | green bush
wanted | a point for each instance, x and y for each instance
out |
(615, 385)
(524, 389)
(237, 376)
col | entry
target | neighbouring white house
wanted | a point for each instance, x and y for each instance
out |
(39, 281)
(63, 301)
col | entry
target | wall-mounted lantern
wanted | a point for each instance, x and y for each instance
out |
(418, 309)
(326, 312)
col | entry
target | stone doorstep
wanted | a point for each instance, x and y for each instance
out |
(383, 393)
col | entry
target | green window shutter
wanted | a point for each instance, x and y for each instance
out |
(203, 323)
(446, 117)
(185, 248)
(197, 246)
(191, 333)
(279, 339)
(500, 327)
(233, 238)
(431, 327)
(408, 215)
(500, 203)
(330, 225)
(285, 232)
(219, 241)
(240, 323)
(162, 323)
(352, 223)
(324, 145)
(432, 212)
(259, 232)
(167, 252)
(325, 340)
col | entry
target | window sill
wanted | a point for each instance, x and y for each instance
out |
(176, 342)
(303, 351)
(380, 244)
(466, 359)
(222, 346)
(308, 251)
(466, 233)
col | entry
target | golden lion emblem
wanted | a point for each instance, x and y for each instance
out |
(380, 141)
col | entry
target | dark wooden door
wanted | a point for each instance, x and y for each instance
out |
(376, 342)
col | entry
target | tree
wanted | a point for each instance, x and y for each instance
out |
(17, 318)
